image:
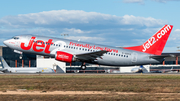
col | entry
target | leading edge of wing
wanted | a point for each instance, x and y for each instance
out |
(90, 55)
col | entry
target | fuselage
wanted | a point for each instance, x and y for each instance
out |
(48, 46)
(29, 70)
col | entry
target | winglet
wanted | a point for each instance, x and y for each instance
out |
(156, 43)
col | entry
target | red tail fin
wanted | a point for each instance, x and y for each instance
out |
(156, 43)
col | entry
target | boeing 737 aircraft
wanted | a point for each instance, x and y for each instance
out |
(69, 50)
(7, 69)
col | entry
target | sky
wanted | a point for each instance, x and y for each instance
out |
(121, 23)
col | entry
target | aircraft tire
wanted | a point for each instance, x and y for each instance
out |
(83, 67)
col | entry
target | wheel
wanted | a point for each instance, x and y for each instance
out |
(83, 67)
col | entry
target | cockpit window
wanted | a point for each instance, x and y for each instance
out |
(15, 38)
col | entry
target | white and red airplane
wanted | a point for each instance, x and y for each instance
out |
(69, 50)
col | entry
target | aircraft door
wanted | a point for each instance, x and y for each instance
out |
(134, 57)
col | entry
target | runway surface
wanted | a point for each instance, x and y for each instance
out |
(77, 93)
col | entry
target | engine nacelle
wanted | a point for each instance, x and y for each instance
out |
(63, 56)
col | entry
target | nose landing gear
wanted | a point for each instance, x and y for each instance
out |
(83, 66)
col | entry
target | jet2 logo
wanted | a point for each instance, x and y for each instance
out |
(63, 56)
(38, 44)
(156, 38)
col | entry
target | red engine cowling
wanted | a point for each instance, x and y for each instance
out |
(63, 56)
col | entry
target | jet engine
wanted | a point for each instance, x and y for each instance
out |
(63, 56)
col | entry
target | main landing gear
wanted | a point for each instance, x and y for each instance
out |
(83, 66)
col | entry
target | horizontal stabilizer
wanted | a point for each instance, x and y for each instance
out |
(161, 56)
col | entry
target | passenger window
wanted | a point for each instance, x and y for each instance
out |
(119, 54)
(83, 49)
(79, 48)
(66, 46)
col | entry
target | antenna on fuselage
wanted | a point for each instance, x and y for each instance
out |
(64, 35)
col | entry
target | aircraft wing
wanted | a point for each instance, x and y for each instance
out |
(90, 56)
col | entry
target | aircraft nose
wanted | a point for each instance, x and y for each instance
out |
(6, 42)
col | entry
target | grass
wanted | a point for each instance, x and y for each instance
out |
(144, 76)
(68, 98)
(110, 97)
(123, 83)
(109, 83)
